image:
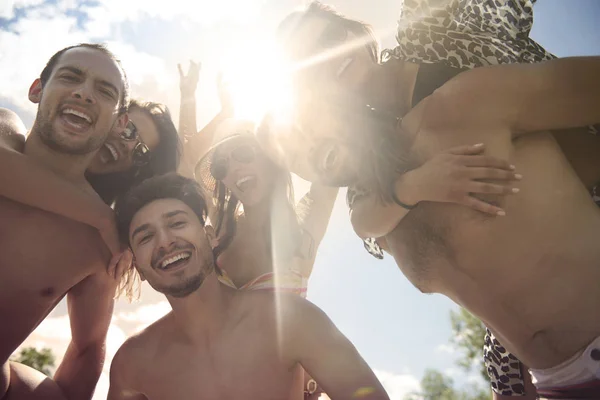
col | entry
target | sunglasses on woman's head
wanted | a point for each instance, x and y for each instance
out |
(244, 153)
(141, 152)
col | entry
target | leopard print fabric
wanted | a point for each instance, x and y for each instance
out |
(503, 368)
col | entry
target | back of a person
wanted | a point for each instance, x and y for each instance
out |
(42, 256)
(531, 275)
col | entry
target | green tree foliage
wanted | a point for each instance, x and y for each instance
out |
(437, 386)
(469, 333)
(42, 360)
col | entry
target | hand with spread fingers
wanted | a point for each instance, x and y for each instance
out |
(189, 82)
(457, 176)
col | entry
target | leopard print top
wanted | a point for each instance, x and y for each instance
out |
(468, 34)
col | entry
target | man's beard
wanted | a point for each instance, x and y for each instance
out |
(189, 285)
(63, 145)
(377, 148)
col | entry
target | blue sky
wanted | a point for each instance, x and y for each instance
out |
(399, 330)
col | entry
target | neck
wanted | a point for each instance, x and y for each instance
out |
(261, 212)
(69, 166)
(201, 315)
(390, 87)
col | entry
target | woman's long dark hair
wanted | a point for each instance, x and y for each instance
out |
(164, 159)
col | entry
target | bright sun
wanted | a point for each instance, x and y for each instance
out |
(258, 81)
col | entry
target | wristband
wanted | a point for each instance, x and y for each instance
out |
(397, 200)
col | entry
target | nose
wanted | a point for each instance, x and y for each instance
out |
(127, 146)
(166, 239)
(85, 92)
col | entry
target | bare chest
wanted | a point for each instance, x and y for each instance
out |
(247, 256)
(235, 368)
(42, 256)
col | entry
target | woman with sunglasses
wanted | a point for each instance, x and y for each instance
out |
(272, 243)
(148, 146)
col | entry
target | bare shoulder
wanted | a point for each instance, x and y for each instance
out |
(141, 348)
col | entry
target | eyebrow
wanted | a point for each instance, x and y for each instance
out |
(173, 213)
(79, 72)
(144, 227)
(139, 229)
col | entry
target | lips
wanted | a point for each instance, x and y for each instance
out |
(246, 183)
(173, 260)
(75, 118)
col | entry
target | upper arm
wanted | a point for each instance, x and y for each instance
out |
(328, 356)
(556, 94)
(90, 304)
(12, 130)
(121, 385)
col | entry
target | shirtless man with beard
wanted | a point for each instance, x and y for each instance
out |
(219, 342)
(81, 95)
(531, 272)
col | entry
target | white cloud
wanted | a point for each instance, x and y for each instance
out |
(205, 12)
(25, 49)
(398, 385)
(144, 315)
(445, 348)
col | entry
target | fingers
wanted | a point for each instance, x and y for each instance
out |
(124, 264)
(491, 188)
(492, 173)
(467, 150)
(486, 161)
(482, 206)
(180, 71)
(112, 265)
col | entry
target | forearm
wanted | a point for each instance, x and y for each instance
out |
(60, 196)
(80, 370)
(372, 218)
(198, 144)
(187, 116)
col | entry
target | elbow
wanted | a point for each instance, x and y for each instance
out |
(369, 226)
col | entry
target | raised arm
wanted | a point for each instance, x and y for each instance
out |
(314, 210)
(311, 339)
(196, 144)
(557, 94)
(61, 197)
(90, 305)
(187, 109)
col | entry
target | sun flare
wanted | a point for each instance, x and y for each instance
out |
(258, 81)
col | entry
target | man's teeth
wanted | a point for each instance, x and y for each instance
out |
(113, 151)
(78, 114)
(171, 260)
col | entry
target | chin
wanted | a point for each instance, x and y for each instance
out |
(250, 200)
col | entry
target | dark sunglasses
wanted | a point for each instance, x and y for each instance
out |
(141, 152)
(244, 153)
